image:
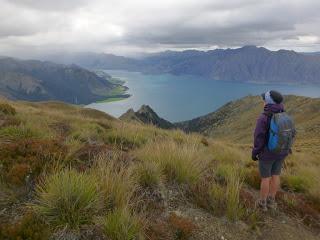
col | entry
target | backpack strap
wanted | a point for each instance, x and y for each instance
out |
(269, 116)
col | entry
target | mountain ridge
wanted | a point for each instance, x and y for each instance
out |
(245, 64)
(43, 80)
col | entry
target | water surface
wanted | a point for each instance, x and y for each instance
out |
(178, 98)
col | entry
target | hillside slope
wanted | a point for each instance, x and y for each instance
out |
(68, 172)
(38, 81)
(236, 120)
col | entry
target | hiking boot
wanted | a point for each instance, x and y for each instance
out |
(271, 203)
(262, 204)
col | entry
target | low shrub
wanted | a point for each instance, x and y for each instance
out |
(181, 226)
(68, 199)
(28, 157)
(29, 227)
(18, 173)
(122, 225)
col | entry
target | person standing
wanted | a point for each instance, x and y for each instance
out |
(273, 138)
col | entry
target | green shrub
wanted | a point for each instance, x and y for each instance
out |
(7, 109)
(68, 199)
(122, 225)
(30, 227)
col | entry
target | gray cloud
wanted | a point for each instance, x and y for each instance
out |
(124, 27)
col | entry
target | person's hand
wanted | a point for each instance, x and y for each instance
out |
(254, 157)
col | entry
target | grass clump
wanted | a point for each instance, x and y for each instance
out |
(68, 199)
(7, 109)
(126, 138)
(115, 180)
(234, 209)
(18, 132)
(148, 174)
(122, 225)
(217, 198)
(295, 183)
(179, 162)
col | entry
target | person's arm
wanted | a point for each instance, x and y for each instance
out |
(260, 136)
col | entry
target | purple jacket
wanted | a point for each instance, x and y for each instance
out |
(261, 134)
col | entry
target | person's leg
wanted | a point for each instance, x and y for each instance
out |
(274, 186)
(275, 177)
(265, 173)
(264, 188)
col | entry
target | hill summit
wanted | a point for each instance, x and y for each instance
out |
(146, 115)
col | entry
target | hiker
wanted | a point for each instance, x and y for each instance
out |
(273, 138)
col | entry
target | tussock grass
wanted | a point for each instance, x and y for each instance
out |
(234, 183)
(19, 132)
(228, 154)
(127, 135)
(180, 163)
(115, 180)
(148, 174)
(7, 109)
(68, 199)
(122, 225)
(217, 198)
(87, 132)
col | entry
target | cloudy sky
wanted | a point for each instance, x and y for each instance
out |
(29, 27)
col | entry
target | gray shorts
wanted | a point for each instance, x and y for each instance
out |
(268, 168)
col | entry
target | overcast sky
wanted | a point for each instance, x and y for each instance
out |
(126, 27)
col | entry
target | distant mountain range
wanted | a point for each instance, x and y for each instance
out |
(246, 64)
(38, 81)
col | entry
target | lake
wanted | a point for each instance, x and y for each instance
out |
(178, 98)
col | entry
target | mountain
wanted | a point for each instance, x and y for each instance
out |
(146, 115)
(38, 81)
(95, 60)
(235, 121)
(246, 64)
